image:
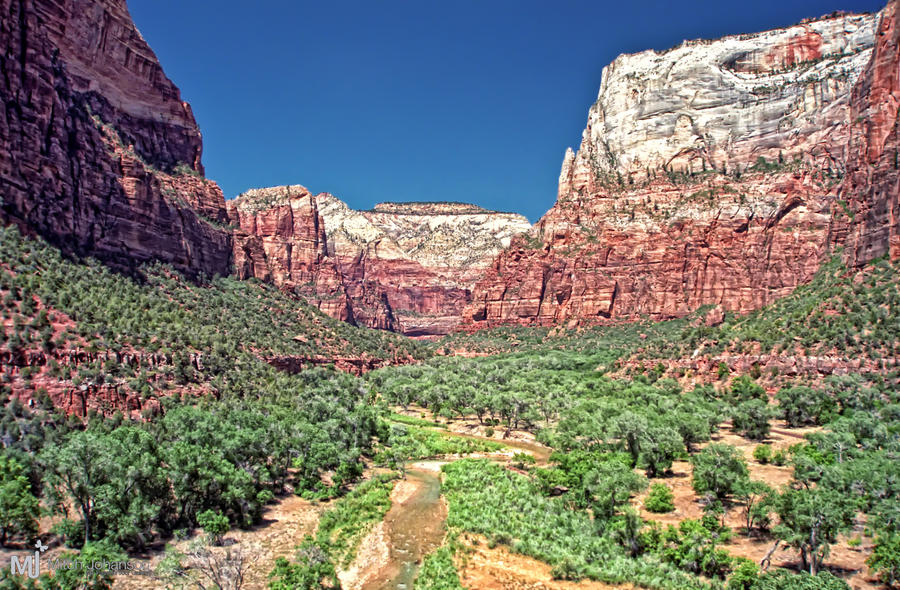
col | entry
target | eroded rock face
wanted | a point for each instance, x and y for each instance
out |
(722, 104)
(100, 155)
(667, 205)
(407, 267)
(280, 238)
(868, 222)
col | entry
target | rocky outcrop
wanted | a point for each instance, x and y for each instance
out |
(280, 238)
(723, 104)
(407, 267)
(706, 175)
(100, 154)
(867, 223)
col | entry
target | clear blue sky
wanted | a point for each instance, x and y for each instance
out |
(377, 100)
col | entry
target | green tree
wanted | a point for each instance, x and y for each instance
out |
(609, 485)
(88, 576)
(801, 405)
(631, 429)
(756, 497)
(744, 389)
(19, 509)
(744, 576)
(115, 480)
(719, 469)
(811, 520)
(659, 447)
(214, 524)
(751, 418)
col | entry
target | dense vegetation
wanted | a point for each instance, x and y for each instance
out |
(228, 433)
(58, 305)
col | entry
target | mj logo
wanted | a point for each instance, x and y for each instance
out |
(30, 564)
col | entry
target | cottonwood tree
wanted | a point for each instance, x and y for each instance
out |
(719, 469)
(811, 520)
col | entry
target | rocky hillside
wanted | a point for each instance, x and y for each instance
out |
(101, 155)
(407, 267)
(707, 174)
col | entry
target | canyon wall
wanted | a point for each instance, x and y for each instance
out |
(867, 222)
(101, 156)
(707, 174)
(406, 267)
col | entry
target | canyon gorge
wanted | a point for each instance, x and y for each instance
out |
(715, 173)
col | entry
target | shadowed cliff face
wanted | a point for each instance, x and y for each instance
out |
(709, 174)
(100, 154)
(406, 267)
(869, 225)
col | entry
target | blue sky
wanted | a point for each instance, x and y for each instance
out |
(384, 100)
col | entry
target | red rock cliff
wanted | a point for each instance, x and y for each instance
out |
(406, 267)
(694, 185)
(100, 155)
(867, 223)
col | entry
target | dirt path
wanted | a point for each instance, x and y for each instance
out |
(282, 529)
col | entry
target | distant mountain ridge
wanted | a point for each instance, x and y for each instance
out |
(406, 267)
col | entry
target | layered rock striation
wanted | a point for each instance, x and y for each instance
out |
(707, 174)
(100, 154)
(407, 267)
(723, 104)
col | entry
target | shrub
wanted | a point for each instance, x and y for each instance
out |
(660, 499)
(745, 576)
(214, 524)
(763, 454)
(885, 558)
(785, 580)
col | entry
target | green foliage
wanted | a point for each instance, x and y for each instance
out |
(214, 524)
(691, 546)
(743, 389)
(719, 470)
(87, 575)
(751, 419)
(885, 558)
(744, 576)
(591, 479)
(763, 454)
(784, 580)
(410, 442)
(311, 569)
(438, 572)
(19, 508)
(804, 406)
(758, 503)
(224, 320)
(508, 508)
(660, 499)
(342, 528)
(811, 520)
